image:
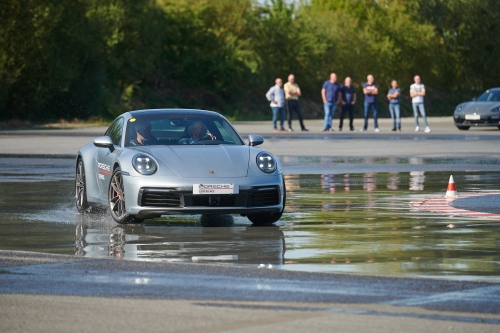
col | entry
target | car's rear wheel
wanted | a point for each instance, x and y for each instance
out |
(116, 199)
(463, 128)
(268, 218)
(82, 204)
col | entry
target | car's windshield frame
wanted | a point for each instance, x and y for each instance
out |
(490, 96)
(176, 128)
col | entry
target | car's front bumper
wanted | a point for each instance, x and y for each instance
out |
(485, 120)
(155, 196)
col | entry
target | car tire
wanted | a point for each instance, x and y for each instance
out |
(116, 200)
(82, 205)
(463, 128)
(268, 218)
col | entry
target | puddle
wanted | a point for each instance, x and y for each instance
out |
(347, 223)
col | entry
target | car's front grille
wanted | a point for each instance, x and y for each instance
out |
(165, 197)
(155, 197)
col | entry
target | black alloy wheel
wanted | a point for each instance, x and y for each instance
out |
(82, 204)
(116, 199)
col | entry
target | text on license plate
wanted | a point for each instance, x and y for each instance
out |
(472, 116)
(215, 189)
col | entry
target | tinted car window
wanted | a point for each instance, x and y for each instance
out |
(173, 128)
(490, 96)
(115, 131)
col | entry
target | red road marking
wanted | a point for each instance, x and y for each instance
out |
(443, 205)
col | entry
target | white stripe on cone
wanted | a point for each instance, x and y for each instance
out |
(451, 191)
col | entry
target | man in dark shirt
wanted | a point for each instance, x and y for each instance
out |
(143, 135)
(348, 94)
(370, 89)
(330, 93)
(394, 96)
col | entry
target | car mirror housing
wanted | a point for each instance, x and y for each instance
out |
(255, 140)
(104, 142)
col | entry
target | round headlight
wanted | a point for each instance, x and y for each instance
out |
(144, 164)
(266, 162)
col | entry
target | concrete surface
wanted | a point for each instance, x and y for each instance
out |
(54, 293)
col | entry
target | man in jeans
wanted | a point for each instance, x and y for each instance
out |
(370, 89)
(417, 93)
(292, 93)
(330, 93)
(276, 96)
(394, 96)
(348, 100)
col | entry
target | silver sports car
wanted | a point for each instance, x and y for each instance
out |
(485, 111)
(155, 162)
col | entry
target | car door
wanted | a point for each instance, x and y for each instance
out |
(105, 158)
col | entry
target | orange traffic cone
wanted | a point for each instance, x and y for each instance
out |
(451, 191)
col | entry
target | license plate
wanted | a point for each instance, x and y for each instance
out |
(215, 189)
(472, 116)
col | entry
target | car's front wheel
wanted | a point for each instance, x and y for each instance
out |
(268, 218)
(82, 204)
(116, 199)
(463, 128)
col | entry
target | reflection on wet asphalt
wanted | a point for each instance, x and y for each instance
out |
(352, 223)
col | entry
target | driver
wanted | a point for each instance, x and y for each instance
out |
(143, 134)
(197, 131)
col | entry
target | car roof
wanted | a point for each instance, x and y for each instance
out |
(165, 112)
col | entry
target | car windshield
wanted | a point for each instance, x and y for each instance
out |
(490, 96)
(179, 129)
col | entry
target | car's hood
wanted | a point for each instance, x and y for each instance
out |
(204, 161)
(479, 107)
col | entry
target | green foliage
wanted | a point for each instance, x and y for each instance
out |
(84, 58)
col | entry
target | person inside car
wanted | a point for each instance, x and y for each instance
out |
(197, 131)
(143, 135)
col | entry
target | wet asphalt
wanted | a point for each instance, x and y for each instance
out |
(371, 303)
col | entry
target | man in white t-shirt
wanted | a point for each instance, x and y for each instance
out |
(417, 93)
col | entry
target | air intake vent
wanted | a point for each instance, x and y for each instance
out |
(151, 197)
(265, 196)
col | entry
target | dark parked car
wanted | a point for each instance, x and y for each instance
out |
(484, 111)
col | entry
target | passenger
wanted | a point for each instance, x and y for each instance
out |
(143, 134)
(197, 131)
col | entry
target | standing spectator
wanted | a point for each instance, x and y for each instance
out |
(394, 96)
(417, 93)
(370, 89)
(276, 96)
(348, 94)
(292, 93)
(330, 93)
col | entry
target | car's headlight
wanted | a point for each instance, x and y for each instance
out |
(144, 164)
(495, 109)
(266, 162)
(458, 108)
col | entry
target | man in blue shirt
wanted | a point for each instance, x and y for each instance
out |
(330, 94)
(348, 100)
(393, 96)
(370, 89)
(276, 96)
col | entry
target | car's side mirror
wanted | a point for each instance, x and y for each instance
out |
(474, 99)
(255, 140)
(104, 142)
